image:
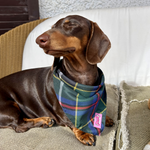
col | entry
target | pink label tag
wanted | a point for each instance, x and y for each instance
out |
(97, 120)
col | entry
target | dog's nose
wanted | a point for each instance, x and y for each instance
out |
(43, 40)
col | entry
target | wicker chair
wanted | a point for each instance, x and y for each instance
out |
(11, 47)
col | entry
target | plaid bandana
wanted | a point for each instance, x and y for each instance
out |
(84, 105)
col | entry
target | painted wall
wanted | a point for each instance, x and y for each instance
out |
(50, 8)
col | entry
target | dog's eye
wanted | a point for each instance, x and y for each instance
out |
(70, 25)
(73, 24)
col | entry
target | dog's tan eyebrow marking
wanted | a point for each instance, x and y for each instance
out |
(66, 21)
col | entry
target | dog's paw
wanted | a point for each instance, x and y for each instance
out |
(85, 138)
(109, 122)
(48, 122)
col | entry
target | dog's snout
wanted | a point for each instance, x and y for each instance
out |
(43, 40)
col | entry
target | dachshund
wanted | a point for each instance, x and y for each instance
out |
(28, 98)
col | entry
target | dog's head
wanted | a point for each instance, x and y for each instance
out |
(74, 35)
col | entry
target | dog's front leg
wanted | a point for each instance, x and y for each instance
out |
(85, 138)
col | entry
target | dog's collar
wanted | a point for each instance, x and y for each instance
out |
(84, 105)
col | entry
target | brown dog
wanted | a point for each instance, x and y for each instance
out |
(28, 99)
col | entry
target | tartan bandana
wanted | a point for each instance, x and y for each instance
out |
(84, 105)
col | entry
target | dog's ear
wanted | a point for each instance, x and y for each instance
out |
(55, 63)
(98, 45)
